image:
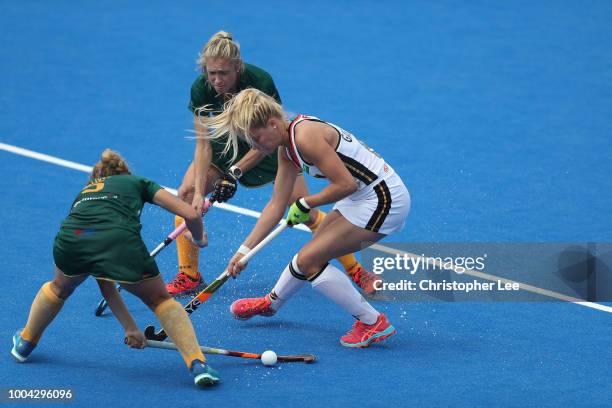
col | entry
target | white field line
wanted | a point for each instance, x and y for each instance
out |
(45, 157)
(87, 169)
(378, 247)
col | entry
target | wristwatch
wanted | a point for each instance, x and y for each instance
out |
(235, 172)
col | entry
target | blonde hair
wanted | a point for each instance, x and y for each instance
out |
(221, 45)
(111, 163)
(249, 109)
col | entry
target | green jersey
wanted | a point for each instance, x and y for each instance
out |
(203, 93)
(101, 235)
(111, 202)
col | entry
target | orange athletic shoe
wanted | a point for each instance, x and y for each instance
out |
(183, 285)
(362, 335)
(244, 309)
(364, 279)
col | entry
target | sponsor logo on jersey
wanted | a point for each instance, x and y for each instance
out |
(86, 232)
(346, 135)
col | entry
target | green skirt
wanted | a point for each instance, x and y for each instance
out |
(111, 254)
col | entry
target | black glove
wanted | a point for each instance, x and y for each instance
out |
(224, 188)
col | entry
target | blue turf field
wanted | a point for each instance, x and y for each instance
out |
(496, 114)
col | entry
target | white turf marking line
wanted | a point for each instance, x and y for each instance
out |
(45, 158)
(87, 169)
(378, 247)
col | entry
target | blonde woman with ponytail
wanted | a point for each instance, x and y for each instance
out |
(100, 237)
(218, 167)
(370, 199)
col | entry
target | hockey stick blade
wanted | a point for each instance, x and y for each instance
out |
(151, 334)
(306, 358)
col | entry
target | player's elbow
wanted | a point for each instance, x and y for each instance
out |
(348, 187)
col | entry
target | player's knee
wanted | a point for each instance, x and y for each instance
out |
(154, 301)
(61, 289)
(308, 263)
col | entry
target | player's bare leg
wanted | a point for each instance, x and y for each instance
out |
(362, 277)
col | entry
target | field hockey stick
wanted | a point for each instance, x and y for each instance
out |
(205, 294)
(305, 358)
(177, 231)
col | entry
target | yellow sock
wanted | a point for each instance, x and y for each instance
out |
(188, 253)
(320, 216)
(349, 262)
(45, 307)
(177, 325)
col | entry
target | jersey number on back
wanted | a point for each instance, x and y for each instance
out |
(93, 187)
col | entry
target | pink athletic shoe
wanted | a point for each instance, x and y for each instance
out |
(244, 309)
(362, 335)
